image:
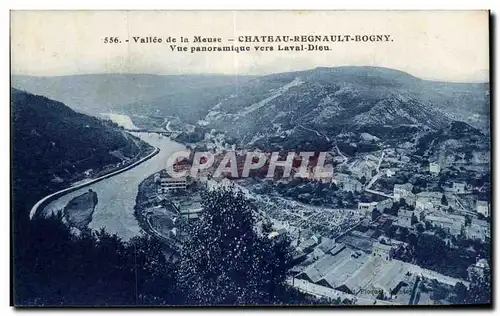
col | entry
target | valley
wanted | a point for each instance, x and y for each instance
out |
(411, 174)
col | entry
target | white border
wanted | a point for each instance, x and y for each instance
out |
(212, 5)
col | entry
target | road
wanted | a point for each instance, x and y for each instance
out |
(375, 178)
(315, 131)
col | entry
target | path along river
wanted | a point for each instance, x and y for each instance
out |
(116, 195)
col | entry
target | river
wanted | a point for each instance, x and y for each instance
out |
(116, 195)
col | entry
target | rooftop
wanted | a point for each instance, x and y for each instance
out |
(344, 269)
(480, 222)
(482, 203)
(326, 244)
(390, 276)
(406, 186)
(439, 219)
(382, 246)
(364, 275)
(321, 267)
(405, 213)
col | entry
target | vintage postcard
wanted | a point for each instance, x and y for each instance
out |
(250, 158)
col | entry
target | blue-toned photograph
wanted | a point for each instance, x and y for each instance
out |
(250, 158)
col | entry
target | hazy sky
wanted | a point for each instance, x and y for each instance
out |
(439, 45)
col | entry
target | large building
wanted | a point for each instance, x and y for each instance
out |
(169, 185)
(367, 274)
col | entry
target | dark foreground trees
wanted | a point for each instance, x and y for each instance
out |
(53, 267)
(230, 258)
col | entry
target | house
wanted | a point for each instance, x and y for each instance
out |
(451, 225)
(383, 251)
(478, 229)
(483, 208)
(457, 218)
(428, 200)
(404, 218)
(458, 187)
(422, 204)
(401, 191)
(363, 168)
(191, 211)
(366, 209)
(384, 205)
(319, 269)
(347, 183)
(434, 168)
(168, 185)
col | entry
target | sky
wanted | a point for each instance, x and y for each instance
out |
(436, 45)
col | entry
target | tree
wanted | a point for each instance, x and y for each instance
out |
(428, 225)
(394, 209)
(444, 201)
(480, 288)
(334, 187)
(363, 180)
(415, 190)
(55, 267)
(403, 233)
(155, 278)
(460, 291)
(468, 220)
(439, 293)
(412, 239)
(427, 248)
(226, 261)
(414, 219)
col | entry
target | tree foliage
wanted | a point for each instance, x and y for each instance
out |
(226, 260)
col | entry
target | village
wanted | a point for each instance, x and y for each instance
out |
(359, 244)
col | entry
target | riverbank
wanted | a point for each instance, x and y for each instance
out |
(79, 210)
(46, 200)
